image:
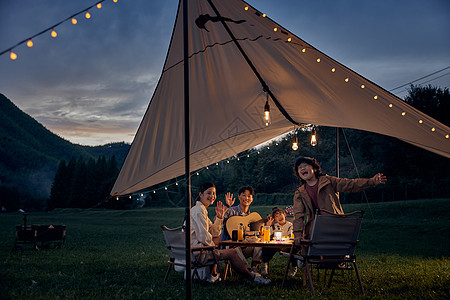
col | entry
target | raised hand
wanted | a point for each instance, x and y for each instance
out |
(229, 199)
(269, 220)
(220, 210)
(379, 179)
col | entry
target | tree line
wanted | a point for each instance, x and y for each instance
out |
(82, 184)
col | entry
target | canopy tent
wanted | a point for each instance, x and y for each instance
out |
(238, 58)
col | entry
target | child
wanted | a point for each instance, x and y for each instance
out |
(278, 222)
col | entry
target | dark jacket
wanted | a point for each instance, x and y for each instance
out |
(328, 199)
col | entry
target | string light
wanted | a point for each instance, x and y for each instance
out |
(313, 137)
(295, 142)
(13, 56)
(52, 29)
(267, 111)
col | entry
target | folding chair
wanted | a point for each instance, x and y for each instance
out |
(332, 245)
(175, 242)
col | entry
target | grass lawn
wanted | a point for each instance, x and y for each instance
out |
(403, 254)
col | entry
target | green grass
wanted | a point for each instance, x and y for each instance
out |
(403, 254)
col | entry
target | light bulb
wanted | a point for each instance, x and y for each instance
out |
(294, 142)
(13, 56)
(54, 34)
(87, 15)
(267, 113)
(313, 138)
(99, 5)
(30, 43)
(74, 21)
(115, 1)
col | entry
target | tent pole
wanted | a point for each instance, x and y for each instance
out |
(337, 151)
(187, 215)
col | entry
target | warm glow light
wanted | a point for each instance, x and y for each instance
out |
(54, 34)
(74, 21)
(154, 192)
(117, 198)
(289, 39)
(99, 5)
(363, 86)
(433, 129)
(333, 70)
(447, 136)
(87, 15)
(275, 29)
(165, 188)
(403, 113)
(304, 50)
(13, 56)
(375, 97)
(318, 60)
(346, 79)
(30, 43)
(264, 15)
(246, 8)
(294, 142)
(313, 138)
(115, 1)
(390, 105)
(420, 121)
(267, 113)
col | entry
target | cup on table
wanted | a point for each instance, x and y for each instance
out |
(266, 233)
(234, 235)
(240, 232)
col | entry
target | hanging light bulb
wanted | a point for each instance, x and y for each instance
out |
(53, 33)
(87, 15)
(13, 56)
(267, 112)
(115, 1)
(74, 21)
(99, 5)
(313, 138)
(30, 43)
(295, 142)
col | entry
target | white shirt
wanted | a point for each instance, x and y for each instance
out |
(202, 229)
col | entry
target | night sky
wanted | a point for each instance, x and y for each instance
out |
(92, 83)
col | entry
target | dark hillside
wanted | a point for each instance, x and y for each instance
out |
(30, 154)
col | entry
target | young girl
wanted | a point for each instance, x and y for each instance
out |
(277, 221)
(203, 231)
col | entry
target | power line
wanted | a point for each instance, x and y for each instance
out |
(409, 83)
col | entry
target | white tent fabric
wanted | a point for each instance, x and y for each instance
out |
(227, 98)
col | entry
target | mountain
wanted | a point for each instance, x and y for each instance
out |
(30, 154)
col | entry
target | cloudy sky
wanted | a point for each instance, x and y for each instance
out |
(92, 83)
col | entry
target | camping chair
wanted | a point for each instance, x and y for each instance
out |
(332, 245)
(175, 242)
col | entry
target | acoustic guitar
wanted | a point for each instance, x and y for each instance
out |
(251, 222)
